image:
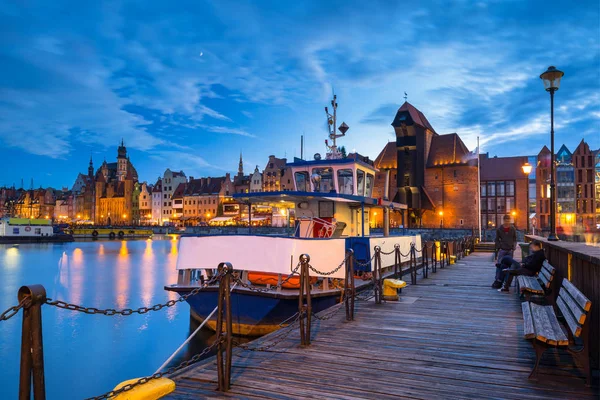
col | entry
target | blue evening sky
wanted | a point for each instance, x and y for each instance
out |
(188, 84)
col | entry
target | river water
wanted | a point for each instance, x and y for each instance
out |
(87, 355)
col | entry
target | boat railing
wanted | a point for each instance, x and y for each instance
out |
(326, 231)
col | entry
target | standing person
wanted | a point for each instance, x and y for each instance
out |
(506, 242)
(531, 265)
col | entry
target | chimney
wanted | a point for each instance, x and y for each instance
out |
(208, 181)
(191, 178)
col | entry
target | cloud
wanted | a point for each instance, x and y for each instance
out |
(230, 131)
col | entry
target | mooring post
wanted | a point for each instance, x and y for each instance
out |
(413, 264)
(397, 262)
(424, 261)
(304, 300)
(377, 278)
(349, 285)
(225, 270)
(32, 346)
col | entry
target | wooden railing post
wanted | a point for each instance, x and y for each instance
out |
(225, 338)
(377, 277)
(424, 261)
(434, 257)
(304, 300)
(32, 346)
(349, 285)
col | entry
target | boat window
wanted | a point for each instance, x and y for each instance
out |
(345, 181)
(323, 184)
(302, 182)
(360, 182)
(369, 186)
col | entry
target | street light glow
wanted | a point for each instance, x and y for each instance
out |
(526, 168)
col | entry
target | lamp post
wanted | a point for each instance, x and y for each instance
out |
(527, 170)
(441, 214)
(551, 79)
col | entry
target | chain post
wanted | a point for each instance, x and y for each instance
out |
(349, 290)
(32, 346)
(424, 261)
(304, 300)
(225, 270)
(434, 260)
(397, 262)
(413, 264)
(442, 254)
(377, 278)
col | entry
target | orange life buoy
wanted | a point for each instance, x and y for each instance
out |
(27, 229)
(269, 278)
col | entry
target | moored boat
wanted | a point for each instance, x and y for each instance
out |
(25, 230)
(331, 203)
(115, 232)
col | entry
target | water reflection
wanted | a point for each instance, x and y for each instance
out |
(103, 274)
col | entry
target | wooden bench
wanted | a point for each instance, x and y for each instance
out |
(542, 327)
(540, 285)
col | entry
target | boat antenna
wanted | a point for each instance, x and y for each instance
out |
(333, 152)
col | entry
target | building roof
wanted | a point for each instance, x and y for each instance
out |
(501, 168)
(203, 186)
(447, 150)
(388, 158)
(417, 116)
(157, 186)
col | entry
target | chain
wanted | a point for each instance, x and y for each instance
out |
(170, 371)
(280, 337)
(129, 311)
(12, 311)
(332, 313)
(316, 271)
(365, 264)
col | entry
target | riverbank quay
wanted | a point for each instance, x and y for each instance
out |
(579, 263)
(450, 336)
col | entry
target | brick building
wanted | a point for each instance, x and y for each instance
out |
(434, 175)
(504, 190)
(577, 181)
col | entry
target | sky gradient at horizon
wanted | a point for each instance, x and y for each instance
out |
(190, 85)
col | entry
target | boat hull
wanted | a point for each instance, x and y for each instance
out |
(35, 239)
(253, 313)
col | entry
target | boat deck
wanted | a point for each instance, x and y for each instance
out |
(449, 337)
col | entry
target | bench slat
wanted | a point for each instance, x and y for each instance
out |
(578, 314)
(569, 318)
(547, 328)
(549, 268)
(577, 295)
(528, 329)
(529, 284)
(546, 278)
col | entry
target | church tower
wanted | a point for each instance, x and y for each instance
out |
(241, 167)
(121, 162)
(91, 168)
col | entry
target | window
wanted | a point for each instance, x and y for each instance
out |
(491, 204)
(483, 191)
(462, 222)
(406, 179)
(580, 176)
(360, 182)
(510, 204)
(491, 189)
(165, 204)
(326, 183)
(345, 181)
(214, 201)
(455, 173)
(499, 188)
(510, 188)
(501, 205)
(165, 196)
(369, 185)
(169, 204)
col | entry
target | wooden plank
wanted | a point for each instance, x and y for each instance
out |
(546, 278)
(579, 315)
(529, 284)
(577, 295)
(528, 328)
(569, 318)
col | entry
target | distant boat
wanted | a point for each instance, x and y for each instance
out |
(115, 232)
(25, 230)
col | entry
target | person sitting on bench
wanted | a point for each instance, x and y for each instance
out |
(531, 265)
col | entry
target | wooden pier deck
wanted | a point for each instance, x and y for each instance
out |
(450, 337)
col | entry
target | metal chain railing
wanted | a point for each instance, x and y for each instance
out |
(129, 311)
(14, 310)
(158, 375)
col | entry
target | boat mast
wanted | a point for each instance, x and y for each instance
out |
(334, 153)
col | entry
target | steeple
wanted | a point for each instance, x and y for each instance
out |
(122, 151)
(241, 166)
(91, 168)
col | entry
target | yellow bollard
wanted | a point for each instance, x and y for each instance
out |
(438, 250)
(153, 389)
(452, 259)
(390, 289)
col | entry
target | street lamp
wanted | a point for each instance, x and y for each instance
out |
(441, 214)
(527, 170)
(551, 79)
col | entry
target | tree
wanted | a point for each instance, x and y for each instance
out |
(343, 151)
